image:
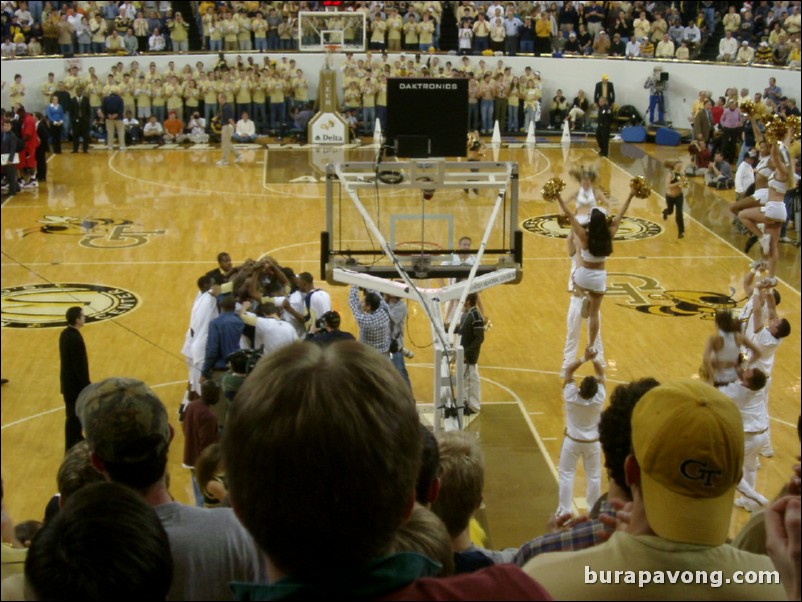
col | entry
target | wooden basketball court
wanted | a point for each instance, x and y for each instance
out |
(129, 233)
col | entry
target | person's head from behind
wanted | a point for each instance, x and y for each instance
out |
(106, 541)
(426, 534)
(306, 282)
(322, 447)
(462, 479)
(588, 387)
(208, 465)
(210, 392)
(686, 461)
(428, 486)
(26, 531)
(76, 472)
(754, 379)
(371, 302)
(726, 321)
(238, 362)
(126, 427)
(615, 431)
(600, 242)
(204, 283)
(471, 300)
(331, 320)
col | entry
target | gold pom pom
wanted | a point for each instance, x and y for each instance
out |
(640, 187)
(552, 189)
(795, 122)
(563, 221)
(776, 126)
(794, 149)
(748, 108)
(755, 110)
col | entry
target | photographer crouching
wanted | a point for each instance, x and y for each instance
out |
(326, 330)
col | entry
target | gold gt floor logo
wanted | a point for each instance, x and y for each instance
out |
(45, 305)
(555, 226)
(646, 295)
(96, 232)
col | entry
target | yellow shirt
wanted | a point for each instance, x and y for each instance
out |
(410, 33)
(178, 32)
(16, 93)
(259, 27)
(94, 91)
(395, 26)
(368, 95)
(175, 96)
(243, 91)
(377, 29)
(47, 89)
(227, 88)
(244, 28)
(275, 88)
(157, 96)
(258, 91)
(301, 89)
(425, 31)
(192, 96)
(210, 90)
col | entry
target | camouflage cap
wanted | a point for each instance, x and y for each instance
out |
(123, 420)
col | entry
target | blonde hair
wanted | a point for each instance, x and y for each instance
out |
(462, 479)
(425, 534)
(582, 172)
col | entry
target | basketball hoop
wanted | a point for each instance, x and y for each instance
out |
(330, 50)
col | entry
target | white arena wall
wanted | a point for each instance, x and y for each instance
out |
(569, 74)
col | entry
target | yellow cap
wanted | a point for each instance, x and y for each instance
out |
(605, 76)
(689, 443)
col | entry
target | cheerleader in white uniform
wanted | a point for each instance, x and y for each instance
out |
(595, 245)
(773, 214)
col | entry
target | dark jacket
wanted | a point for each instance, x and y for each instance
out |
(43, 132)
(224, 339)
(113, 105)
(74, 363)
(80, 110)
(610, 93)
(472, 330)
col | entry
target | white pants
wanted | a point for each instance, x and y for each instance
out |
(764, 393)
(194, 376)
(576, 113)
(471, 386)
(591, 460)
(752, 446)
(573, 330)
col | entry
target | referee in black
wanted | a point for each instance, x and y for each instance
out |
(604, 122)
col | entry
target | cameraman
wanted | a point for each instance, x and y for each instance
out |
(656, 85)
(327, 330)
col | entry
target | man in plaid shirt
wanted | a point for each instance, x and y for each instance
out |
(373, 319)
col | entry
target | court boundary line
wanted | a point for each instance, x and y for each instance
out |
(738, 252)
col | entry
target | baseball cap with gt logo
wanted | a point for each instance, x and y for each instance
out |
(689, 443)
